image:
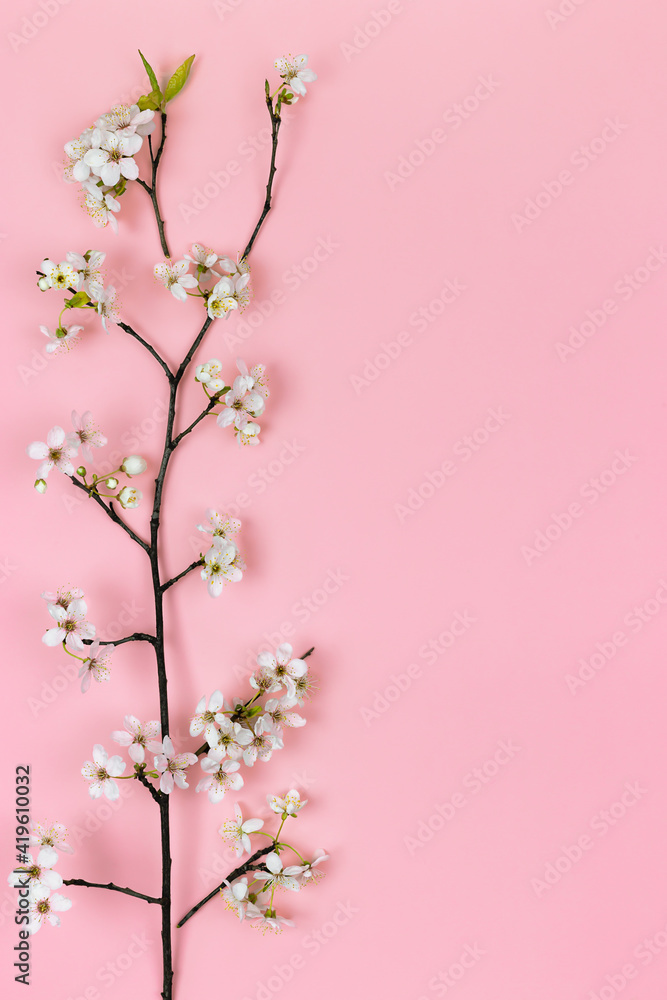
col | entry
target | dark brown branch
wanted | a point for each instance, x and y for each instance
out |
(175, 579)
(114, 888)
(151, 188)
(275, 128)
(111, 513)
(149, 347)
(241, 870)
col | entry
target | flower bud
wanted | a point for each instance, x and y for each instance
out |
(81, 471)
(44, 283)
(129, 497)
(40, 485)
(133, 465)
(112, 483)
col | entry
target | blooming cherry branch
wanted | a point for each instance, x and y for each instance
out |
(239, 732)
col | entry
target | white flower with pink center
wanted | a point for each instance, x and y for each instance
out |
(55, 451)
(85, 434)
(175, 277)
(222, 564)
(296, 73)
(237, 831)
(62, 336)
(50, 840)
(71, 628)
(62, 596)
(36, 874)
(96, 665)
(107, 306)
(171, 766)
(262, 744)
(101, 771)
(290, 805)
(45, 909)
(268, 920)
(230, 738)
(221, 775)
(220, 525)
(241, 403)
(138, 737)
(283, 666)
(88, 270)
(204, 718)
(204, 258)
(258, 375)
(277, 711)
(283, 878)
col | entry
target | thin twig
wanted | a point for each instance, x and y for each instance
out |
(241, 870)
(110, 511)
(275, 127)
(149, 347)
(151, 188)
(179, 437)
(114, 888)
(175, 579)
(135, 637)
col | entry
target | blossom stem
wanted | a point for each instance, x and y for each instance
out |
(241, 870)
(70, 653)
(149, 347)
(275, 127)
(291, 848)
(175, 579)
(152, 187)
(114, 888)
(109, 508)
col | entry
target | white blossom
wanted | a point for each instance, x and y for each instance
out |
(96, 665)
(101, 771)
(171, 766)
(296, 74)
(238, 830)
(138, 737)
(71, 626)
(175, 277)
(56, 451)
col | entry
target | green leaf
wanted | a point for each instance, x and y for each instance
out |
(177, 81)
(78, 299)
(151, 74)
(150, 102)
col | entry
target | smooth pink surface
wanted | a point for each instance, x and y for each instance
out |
(398, 912)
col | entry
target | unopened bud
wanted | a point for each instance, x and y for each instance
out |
(40, 485)
(44, 283)
(112, 483)
(134, 465)
(81, 471)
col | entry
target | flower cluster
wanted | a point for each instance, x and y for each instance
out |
(73, 632)
(223, 563)
(80, 275)
(222, 292)
(60, 448)
(102, 159)
(38, 877)
(241, 402)
(242, 732)
(254, 900)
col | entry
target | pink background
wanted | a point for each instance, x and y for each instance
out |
(396, 730)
